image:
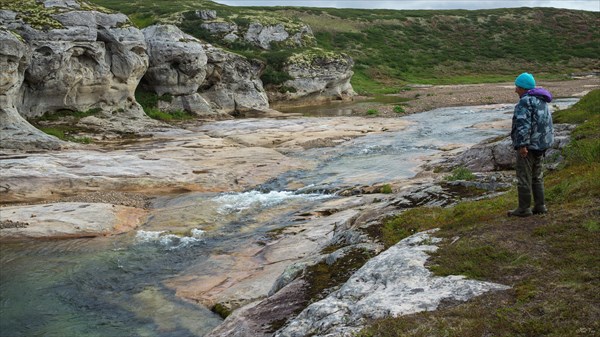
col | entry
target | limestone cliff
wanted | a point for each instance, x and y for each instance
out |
(15, 132)
(316, 75)
(68, 55)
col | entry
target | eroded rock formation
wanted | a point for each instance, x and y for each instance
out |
(317, 76)
(260, 32)
(15, 131)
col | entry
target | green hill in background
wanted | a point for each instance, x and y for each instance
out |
(394, 47)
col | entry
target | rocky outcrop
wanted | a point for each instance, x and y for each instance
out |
(15, 131)
(79, 58)
(94, 61)
(498, 154)
(316, 75)
(259, 31)
(68, 220)
(394, 283)
(178, 65)
(85, 60)
(233, 82)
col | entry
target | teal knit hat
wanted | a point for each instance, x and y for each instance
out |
(525, 81)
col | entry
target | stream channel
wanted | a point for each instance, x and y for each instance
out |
(115, 286)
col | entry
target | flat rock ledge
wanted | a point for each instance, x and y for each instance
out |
(394, 283)
(67, 220)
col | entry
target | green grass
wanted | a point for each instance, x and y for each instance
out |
(461, 173)
(62, 133)
(552, 261)
(399, 109)
(394, 47)
(149, 102)
(64, 130)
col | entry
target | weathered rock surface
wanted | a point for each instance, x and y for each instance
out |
(15, 131)
(393, 283)
(260, 31)
(343, 223)
(96, 60)
(178, 66)
(318, 77)
(177, 61)
(496, 155)
(233, 82)
(211, 159)
(89, 59)
(263, 35)
(69, 220)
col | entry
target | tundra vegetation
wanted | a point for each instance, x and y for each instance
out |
(392, 48)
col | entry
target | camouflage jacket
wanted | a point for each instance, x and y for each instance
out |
(532, 121)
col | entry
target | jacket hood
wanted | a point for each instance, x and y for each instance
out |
(540, 93)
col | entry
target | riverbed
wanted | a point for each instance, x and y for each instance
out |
(161, 278)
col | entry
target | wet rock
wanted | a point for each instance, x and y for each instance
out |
(265, 317)
(68, 220)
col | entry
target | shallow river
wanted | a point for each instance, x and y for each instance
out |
(115, 286)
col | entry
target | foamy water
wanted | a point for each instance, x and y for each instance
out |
(237, 202)
(169, 241)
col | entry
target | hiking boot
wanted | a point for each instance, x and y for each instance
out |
(540, 209)
(524, 204)
(521, 212)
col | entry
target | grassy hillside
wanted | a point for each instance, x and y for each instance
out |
(395, 47)
(552, 261)
(462, 46)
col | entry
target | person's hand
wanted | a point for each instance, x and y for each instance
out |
(523, 151)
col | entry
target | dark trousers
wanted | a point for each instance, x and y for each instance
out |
(530, 179)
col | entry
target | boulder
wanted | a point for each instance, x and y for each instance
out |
(95, 61)
(68, 220)
(317, 75)
(233, 82)
(177, 61)
(498, 154)
(263, 36)
(178, 65)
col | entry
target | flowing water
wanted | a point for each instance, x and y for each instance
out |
(114, 286)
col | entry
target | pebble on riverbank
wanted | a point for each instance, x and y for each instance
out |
(13, 224)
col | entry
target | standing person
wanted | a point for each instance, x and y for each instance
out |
(532, 133)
